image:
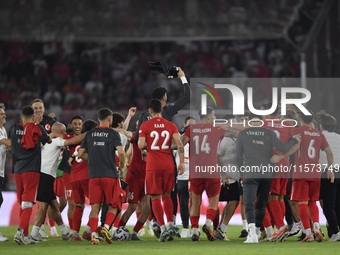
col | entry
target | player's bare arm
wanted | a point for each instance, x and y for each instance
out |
(81, 152)
(141, 143)
(132, 112)
(277, 158)
(128, 155)
(180, 150)
(330, 173)
(128, 134)
(174, 145)
(74, 140)
(121, 156)
(6, 142)
(231, 133)
(184, 139)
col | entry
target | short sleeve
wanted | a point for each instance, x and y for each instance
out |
(60, 142)
(324, 143)
(117, 140)
(142, 130)
(187, 132)
(84, 143)
(174, 128)
(2, 135)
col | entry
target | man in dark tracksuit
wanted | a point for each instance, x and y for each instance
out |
(257, 145)
(168, 112)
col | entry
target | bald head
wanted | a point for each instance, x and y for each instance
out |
(58, 128)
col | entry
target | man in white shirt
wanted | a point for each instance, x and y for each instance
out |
(330, 192)
(4, 144)
(45, 195)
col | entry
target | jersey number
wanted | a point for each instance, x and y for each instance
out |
(156, 136)
(78, 159)
(204, 147)
(311, 149)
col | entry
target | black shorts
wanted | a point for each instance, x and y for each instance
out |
(230, 192)
(240, 188)
(46, 188)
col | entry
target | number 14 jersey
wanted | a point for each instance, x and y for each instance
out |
(158, 133)
(203, 150)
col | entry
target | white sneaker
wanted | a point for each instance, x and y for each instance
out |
(296, 230)
(335, 237)
(141, 232)
(149, 227)
(29, 240)
(53, 232)
(42, 232)
(3, 238)
(19, 239)
(113, 230)
(251, 239)
(185, 233)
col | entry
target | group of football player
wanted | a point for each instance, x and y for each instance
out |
(149, 169)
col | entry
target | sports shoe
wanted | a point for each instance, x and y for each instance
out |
(307, 239)
(53, 232)
(113, 230)
(172, 234)
(177, 234)
(266, 239)
(149, 227)
(71, 233)
(106, 234)
(38, 239)
(219, 234)
(19, 239)
(157, 230)
(164, 236)
(94, 240)
(317, 235)
(296, 230)
(335, 237)
(141, 232)
(251, 239)
(29, 240)
(263, 235)
(77, 238)
(86, 236)
(302, 236)
(244, 233)
(208, 232)
(65, 237)
(42, 232)
(134, 237)
(185, 233)
(277, 237)
(3, 238)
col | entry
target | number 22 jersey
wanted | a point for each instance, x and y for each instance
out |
(158, 133)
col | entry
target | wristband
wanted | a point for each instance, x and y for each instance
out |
(73, 156)
(183, 79)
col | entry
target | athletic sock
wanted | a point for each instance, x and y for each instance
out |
(276, 213)
(314, 211)
(138, 214)
(35, 231)
(270, 230)
(78, 213)
(116, 223)
(223, 228)
(138, 226)
(283, 208)
(266, 220)
(51, 222)
(25, 219)
(150, 217)
(122, 223)
(194, 221)
(70, 222)
(211, 214)
(245, 224)
(304, 216)
(94, 225)
(109, 219)
(158, 211)
(88, 227)
(216, 221)
(168, 208)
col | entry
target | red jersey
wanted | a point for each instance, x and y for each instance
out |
(203, 150)
(79, 170)
(284, 133)
(158, 133)
(137, 167)
(307, 156)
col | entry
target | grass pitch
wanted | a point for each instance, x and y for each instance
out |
(55, 245)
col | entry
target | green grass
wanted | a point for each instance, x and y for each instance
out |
(178, 246)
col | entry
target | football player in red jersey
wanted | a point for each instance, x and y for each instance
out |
(307, 173)
(204, 139)
(156, 134)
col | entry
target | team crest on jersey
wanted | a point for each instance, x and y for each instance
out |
(48, 127)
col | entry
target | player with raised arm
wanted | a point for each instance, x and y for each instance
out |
(26, 139)
(101, 144)
(168, 112)
(49, 159)
(156, 135)
(5, 143)
(307, 173)
(204, 139)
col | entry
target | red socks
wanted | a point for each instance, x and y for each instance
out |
(283, 208)
(304, 215)
(194, 221)
(138, 226)
(314, 211)
(276, 213)
(150, 217)
(77, 214)
(25, 219)
(168, 208)
(52, 222)
(211, 213)
(138, 214)
(158, 211)
(70, 222)
(121, 223)
(216, 221)
(266, 220)
(93, 224)
(116, 223)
